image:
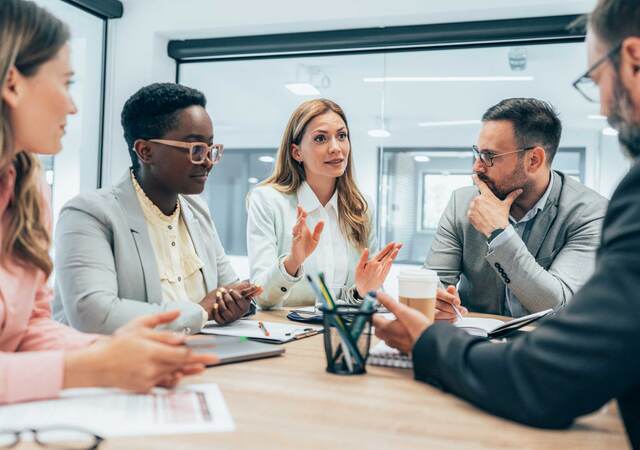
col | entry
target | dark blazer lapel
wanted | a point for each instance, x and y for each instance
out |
(193, 227)
(128, 199)
(543, 221)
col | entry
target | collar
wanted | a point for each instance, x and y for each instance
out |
(308, 200)
(539, 206)
(150, 208)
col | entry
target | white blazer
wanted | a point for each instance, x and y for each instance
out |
(272, 215)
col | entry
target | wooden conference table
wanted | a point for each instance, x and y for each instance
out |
(291, 402)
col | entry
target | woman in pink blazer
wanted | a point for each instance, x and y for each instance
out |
(39, 357)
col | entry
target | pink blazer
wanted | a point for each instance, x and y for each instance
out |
(32, 345)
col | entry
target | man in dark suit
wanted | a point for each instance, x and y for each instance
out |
(589, 353)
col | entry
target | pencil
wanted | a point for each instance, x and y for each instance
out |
(263, 328)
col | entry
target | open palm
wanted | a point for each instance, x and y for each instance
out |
(304, 240)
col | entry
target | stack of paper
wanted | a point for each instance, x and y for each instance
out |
(197, 408)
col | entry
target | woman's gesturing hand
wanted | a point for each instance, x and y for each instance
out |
(304, 242)
(371, 273)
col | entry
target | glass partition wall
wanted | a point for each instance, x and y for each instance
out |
(413, 116)
(76, 169)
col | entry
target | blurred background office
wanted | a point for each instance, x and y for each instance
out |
(414, 84)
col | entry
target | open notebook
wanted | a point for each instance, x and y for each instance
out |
(383, 355)
(493, 328)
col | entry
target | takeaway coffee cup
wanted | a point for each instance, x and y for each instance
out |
(417, 289)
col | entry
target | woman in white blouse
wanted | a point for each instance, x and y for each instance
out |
(309, 216)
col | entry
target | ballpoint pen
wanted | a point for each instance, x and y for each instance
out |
(263, 328)
(457, 311)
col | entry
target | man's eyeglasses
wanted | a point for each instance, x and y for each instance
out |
(488, 157)
(53, 438)
(585, 84)
(199, 152)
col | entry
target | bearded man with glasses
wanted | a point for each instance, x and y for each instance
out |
(524, 238)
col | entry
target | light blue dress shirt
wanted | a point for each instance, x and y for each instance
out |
(519, 229)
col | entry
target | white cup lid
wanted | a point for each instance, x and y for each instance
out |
(417, 274)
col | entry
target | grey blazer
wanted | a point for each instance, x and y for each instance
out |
(544, 273)
(106, 271)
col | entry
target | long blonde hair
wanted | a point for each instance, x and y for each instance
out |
(29, 37)
(289, 174)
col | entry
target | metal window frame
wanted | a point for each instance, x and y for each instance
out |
(366, 40)
(104, 10)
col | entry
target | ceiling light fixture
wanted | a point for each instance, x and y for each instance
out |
(449, 123)
(609, 131)
(596, 117)
(252, 180)
(431, 79)
(302, 89)
(266, 159)
(421, 158)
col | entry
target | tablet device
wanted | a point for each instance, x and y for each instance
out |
(232, 349)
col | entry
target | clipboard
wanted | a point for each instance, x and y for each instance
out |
(278, 332)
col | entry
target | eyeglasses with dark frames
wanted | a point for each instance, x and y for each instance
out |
(585, 84)
(62, 438)
(488, 157)
(199, 152)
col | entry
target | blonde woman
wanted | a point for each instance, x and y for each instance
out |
(38, 356)
(309, 216)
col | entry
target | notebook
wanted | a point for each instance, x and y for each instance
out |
(493, 328)
(383, 355)
(277, 332)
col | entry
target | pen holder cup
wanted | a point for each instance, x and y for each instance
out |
(347, 336)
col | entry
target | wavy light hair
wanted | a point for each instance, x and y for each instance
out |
(29, 37)
(289, 174)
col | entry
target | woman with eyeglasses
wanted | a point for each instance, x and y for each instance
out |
(309, 216)
(39, 356)
(148, 244)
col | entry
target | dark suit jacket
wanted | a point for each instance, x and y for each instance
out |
(573, 363)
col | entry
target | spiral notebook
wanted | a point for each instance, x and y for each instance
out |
(383, 355)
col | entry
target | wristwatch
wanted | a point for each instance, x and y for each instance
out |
(494, 234)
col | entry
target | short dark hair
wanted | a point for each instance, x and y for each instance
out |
(534, 121)
(153, 110)
(615, 20)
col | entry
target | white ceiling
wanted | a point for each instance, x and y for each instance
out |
(217, 18)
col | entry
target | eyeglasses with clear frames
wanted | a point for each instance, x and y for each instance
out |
(488, 157)
(67, 438)
(199, 152)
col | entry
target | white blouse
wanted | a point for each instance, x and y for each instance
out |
(272, 215)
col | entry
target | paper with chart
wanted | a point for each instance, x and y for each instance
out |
(276, 331)
(196, 408)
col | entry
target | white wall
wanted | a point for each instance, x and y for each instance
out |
(137, 41)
